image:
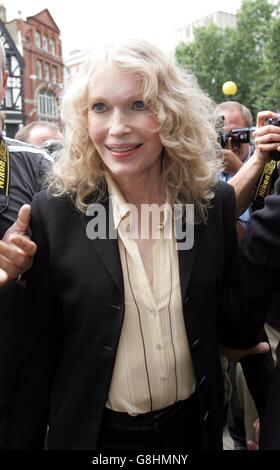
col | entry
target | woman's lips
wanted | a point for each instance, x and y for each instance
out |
(123, 150)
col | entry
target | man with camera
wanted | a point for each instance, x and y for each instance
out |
(235, 136)
(234, 122)
(235, 126)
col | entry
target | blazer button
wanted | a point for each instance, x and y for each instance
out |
(202, 380)
(116, 307)
(186, 300)
(107, 348)
(195, 343)
(205, 417)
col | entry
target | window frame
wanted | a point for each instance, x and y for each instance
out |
(39, 66)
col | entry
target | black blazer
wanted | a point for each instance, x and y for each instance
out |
(73, 320)
(259, 265)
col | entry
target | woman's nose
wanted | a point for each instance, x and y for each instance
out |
(119, 124)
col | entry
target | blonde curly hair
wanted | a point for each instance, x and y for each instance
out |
(186, 130)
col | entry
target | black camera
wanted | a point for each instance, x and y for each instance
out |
(274, 121)
(237, 136)
(274, 154)
(52, 146)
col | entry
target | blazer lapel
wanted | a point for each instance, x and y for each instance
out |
(108, 251)
(108, 248)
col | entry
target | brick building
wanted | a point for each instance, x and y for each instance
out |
(38, 39)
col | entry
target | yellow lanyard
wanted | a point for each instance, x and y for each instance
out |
(4, 175)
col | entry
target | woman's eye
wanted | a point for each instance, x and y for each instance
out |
(99, 107)
(139, 105)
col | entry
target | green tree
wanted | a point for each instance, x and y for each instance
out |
(269, 83)
(204, 57)
(248, 55)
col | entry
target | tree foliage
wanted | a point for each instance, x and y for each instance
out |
(248, 55)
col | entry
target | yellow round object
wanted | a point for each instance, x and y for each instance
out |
(229, 88)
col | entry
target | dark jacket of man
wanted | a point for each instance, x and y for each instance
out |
(260, 264)
(27, 166)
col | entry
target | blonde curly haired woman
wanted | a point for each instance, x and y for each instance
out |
(122, 313)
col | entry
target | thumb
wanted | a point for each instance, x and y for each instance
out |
(22, 223)
(261, 348)
(3, 277)
(251, 445)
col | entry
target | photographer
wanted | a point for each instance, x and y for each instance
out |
(234, 115)
(235, 152)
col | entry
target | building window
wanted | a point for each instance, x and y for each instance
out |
(9, 98)
(47, 72)
(54, 74)
(39, 69)
(52, 46)
(45, 43)
(47, 106)
(38, 39)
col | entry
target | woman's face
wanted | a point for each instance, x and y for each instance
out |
(121, 126)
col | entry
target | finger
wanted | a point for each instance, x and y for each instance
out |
(268, 138)
(261, 348)
(267, 131)
(4, 278)
(251, 445)
(261, 147)
(262, 116)
(229, 144)
(257, 430)
(12, 271)
(24, 243)
(229, 153)
(22, 223)
(13, 255)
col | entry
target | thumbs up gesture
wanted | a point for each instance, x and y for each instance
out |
(16, 249)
